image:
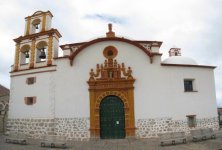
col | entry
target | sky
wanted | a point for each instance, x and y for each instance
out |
(195, 26)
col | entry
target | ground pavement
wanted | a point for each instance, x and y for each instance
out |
(122, 144)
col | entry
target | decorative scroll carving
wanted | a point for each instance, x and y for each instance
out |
(111, 70)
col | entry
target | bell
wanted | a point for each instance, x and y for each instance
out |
(37, 26)
(27, 54)
(42, 54)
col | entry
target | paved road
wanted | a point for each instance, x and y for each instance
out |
(123, 144)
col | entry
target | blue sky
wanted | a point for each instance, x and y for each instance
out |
(192, 25)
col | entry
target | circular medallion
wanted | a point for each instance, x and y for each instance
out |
(110, 52)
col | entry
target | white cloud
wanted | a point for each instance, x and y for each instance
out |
(195, 26)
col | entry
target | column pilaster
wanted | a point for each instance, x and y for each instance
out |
(16, 65)
(49, 54)
(32, 58)
(44, 22)
(28, 26)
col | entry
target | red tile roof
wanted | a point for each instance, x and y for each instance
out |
(3, 90)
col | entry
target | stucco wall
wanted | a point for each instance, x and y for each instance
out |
(159, 90)
(44, 91)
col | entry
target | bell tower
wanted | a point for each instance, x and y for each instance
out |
(39, 44)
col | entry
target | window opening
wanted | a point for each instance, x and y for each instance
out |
(30, 100)
(30, 80)
(191, 120)
(188, 85)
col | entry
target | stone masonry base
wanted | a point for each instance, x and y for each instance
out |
(147, 128)
(78, 128)
(72, 128)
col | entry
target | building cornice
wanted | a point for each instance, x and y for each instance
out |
(32, 69)
(38, 13)
(186, 65)
(31, 36)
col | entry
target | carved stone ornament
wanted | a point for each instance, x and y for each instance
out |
(111, 78)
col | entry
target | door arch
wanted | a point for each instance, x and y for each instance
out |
(112, 118)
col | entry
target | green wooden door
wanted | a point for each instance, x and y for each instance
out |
(112, 118)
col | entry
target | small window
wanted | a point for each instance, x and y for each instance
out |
(30, 100)
(188, 85)
(31, 80)
(191, 121)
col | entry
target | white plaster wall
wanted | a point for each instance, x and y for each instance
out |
(55, 47)
(48, 22)
(177, 103)
(66, 52)
(155, 49)
(159, 90)
(42, 89)
(26, 26)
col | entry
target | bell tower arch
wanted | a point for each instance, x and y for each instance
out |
(111, 79)
(39, 44)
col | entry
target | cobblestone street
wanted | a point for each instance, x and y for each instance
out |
(123, 144)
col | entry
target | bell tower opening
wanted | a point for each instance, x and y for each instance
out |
(42, 49)
(25, 54)
(35, 26)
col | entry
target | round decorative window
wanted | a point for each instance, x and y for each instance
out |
(110, 52)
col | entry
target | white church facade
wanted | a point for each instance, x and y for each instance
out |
(109, 87)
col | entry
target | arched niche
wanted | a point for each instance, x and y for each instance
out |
(35, 26)
(41, 47)
(25, 54)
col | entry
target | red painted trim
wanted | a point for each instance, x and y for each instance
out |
(74, 54)
(184, 65)
(33, 68)
(32, 73)
(160, 54)
(35, 35)
(150, 42)
(70, 45)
